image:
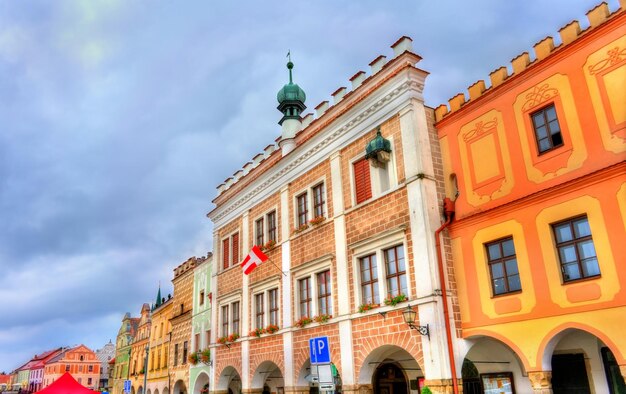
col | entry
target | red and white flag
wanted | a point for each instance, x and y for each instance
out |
(254, 259)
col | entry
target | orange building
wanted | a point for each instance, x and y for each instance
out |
(80, 361)
(537, 161)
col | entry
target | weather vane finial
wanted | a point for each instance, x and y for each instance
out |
(289, 54)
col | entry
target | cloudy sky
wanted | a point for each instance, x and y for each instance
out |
(119, 118)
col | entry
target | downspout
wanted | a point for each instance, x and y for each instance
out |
(448, 209)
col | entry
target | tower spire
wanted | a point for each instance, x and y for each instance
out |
(159, 301)
(291, 100)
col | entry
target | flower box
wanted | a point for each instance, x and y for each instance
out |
(393, 301)
(272, 328)
(323, 318)
(303, 322)
(317, 220)
(367, 307)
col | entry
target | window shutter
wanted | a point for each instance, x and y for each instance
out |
(362, 181)
(225, 252)
(236, 248)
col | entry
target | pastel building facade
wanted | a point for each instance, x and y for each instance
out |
(124, 340)
(80, 361)
(139, 351)
(537, 165)
(158, 364)
(346, 206)
(199, 371)
(105, 355)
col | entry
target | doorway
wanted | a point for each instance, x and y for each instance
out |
(389, 379)
(569, 374)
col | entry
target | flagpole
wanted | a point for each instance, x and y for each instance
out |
(274, 264)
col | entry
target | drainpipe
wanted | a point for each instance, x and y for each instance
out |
(448, 209)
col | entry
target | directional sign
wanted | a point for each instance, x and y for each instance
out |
(127, 386)
(319, 350)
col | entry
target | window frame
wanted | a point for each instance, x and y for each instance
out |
(574, 242)
(259, 231)
(310, 202)
(502, 260)
(273, 311)
(543, 110)
(304, 302)
(376, 245)
(308, 271)
(302, 209)
(376, 174)
(228, 260)
(259, 310)
(319, 201)
(268, 230)
(264, 289)
(324, 292)
(372, 283)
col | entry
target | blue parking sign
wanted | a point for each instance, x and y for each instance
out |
(319, 350)
(127, 386)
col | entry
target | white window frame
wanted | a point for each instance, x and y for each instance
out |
(310, 270)
(266, 227)
(231, 264)
(229, 301)
(377, 245)
(309, 201)
(375, 176)
(264, 288)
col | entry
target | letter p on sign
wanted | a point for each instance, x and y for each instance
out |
(319, 350)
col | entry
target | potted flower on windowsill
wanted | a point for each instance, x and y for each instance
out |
(272, 328)
(233, 337)
(222, 340)
(269, 245)
(368, 306)
(393, 301)
(300, 228)
(257, 332)
(193, 358)
(322, 318)
(303, 322)
(205, 355)
(316, 220)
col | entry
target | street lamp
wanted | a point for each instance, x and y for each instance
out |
(409, 318)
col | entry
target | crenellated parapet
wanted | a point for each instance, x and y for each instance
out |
(189, 264)
(402, 45)
(541, 50)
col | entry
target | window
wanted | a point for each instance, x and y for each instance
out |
(197, 342)
(503, 266)
(225, 320)
(369, 279)
(89, 381)
(258, 224)
(259, 310)
(304, 286)
(158, 363)
(577, 253)
(230, 250)
(185, 350)
(302, 209)
(90, 368)
(273, 296)
(362, 181)
(201, 299)
(67, 367)
(176, 355)
(235, 307)
(547, 129)
(396, 271)
(207, 337)
(318, 200)
(324, 300)
(271, 226)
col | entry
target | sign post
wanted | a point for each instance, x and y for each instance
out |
(319, 351)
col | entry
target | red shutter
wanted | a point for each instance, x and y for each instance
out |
(362, 182)
(236, 248)
(225, 253)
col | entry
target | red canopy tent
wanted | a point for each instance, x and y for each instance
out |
(66, 384)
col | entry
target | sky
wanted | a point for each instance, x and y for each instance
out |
(118, 120)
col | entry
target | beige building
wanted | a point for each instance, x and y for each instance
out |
(138, 351)
(180, 320)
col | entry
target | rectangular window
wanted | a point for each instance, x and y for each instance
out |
(67, 367)
(304, 286)
(201, 298)
(235, 306)
(273, 296)
(362, 181)
(259, 310)
(91, 368)
(197, 342)
(259, 232)
(547, 129)
(271, 226)
(303, 209)
(503, 266)
(226, 253)
(318, 200)
(225, 320)
(369, 279)
(324, 299)
(185, 350)
(89, 381)
(235, 239)
(577, 253)
(175, 354)
(396, 271)
(207, 338)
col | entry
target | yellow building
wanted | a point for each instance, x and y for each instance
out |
(138, 351)
(537, 165)
(158, 363)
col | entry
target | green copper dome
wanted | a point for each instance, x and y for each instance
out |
(291, 91)
(378, 144)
